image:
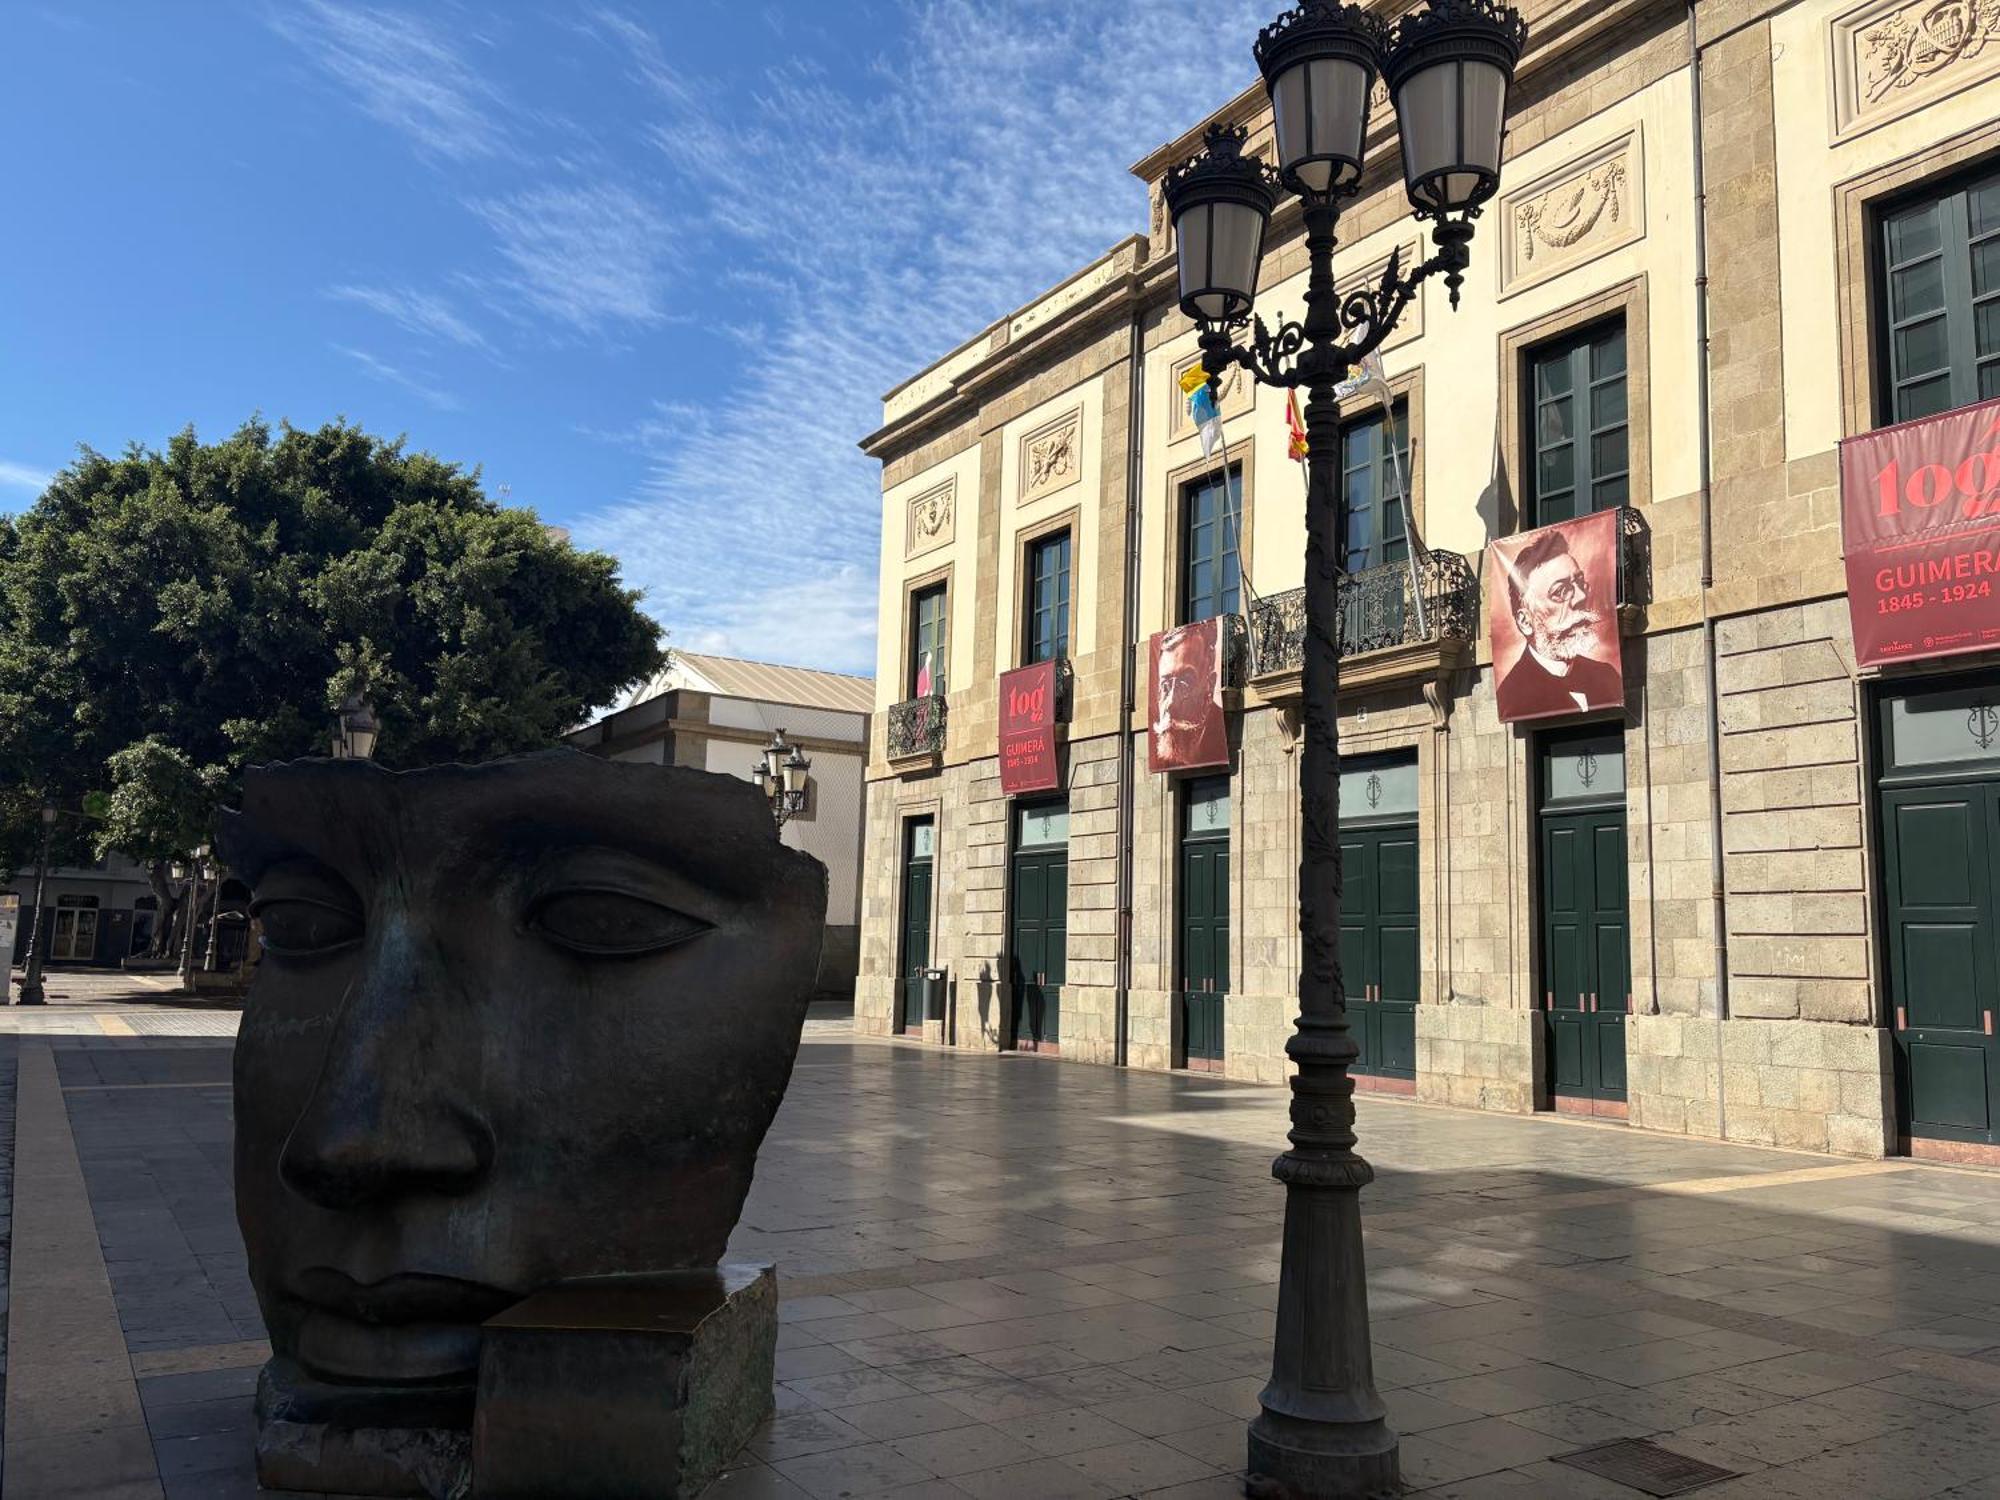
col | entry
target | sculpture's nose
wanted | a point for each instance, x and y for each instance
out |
(388, 1117)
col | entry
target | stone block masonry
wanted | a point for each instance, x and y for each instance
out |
(1802, 1085)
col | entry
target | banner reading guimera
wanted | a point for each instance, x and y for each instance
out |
(1028, 730)
(1920, 526)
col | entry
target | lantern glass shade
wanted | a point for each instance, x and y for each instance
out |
(1220, 246)
(1451, 116)
(49, 815)
(762, 777)
(1321, 108)
(361, 738)
(774, 760)
(795, 775)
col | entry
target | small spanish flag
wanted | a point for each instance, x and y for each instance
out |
(1297, 428)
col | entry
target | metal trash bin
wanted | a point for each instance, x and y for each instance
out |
(934, 982)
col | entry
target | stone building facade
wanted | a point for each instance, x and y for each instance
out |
(1720, 217)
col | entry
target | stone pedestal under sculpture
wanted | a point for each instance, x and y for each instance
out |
(516, 1035)
(670, 1376)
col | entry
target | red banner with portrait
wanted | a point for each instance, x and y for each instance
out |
(1187, 727)
(1920, 526)
(1028, 730)
(1552, 612)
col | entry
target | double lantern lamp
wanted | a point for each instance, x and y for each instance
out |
(1323, 1429)
(781, 775)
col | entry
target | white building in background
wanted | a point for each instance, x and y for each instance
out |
(717, 713)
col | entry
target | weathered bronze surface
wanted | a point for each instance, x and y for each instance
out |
(515, 1025)
(630, 1390)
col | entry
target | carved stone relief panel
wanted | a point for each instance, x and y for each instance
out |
(1892, 56)
(933, 520)
(1235, 394)
(1051, 456)
(1574, 214)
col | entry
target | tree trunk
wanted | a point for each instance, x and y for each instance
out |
(167, 908)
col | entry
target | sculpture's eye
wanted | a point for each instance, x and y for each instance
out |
(298, 928)
(611, 924)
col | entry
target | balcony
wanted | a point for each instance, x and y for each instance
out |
(1384, 637)
(916, 732)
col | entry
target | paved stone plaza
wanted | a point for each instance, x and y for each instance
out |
(1010, 1278)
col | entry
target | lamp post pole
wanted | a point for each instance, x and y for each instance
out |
(32, 992)
(214, 913)
(1323, 1429)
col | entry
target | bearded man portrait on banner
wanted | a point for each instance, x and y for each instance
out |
(1558, 585)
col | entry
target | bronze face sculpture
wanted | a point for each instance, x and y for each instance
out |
(515, 1025)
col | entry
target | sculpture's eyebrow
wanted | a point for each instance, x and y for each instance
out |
(726, 865)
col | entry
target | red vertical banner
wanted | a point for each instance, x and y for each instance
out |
(1028, 730)
(1920, 526)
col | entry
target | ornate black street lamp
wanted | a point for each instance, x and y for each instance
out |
(781, 776)
(1323, 1430)
(32, 991)
(356, 730)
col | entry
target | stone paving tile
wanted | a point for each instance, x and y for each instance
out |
(866, 1469)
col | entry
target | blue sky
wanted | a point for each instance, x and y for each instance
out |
(650, 267)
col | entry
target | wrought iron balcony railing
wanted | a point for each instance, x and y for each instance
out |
(1377, 610)
(916, 727)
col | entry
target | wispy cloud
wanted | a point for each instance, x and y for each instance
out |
(873, 219)
(417, 385)
(977, 167)
(584, 254)
(15, 476)
(418, 312)
(402, 72)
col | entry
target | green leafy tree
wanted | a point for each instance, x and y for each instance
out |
(167, 618)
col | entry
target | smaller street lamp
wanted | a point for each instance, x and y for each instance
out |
(356, 731)
(31, 973)
(781, 776)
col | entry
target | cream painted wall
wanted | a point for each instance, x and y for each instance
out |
(833, 834)
(1459, 355)
(1810, 166)
(895, 572)
(1016, 516)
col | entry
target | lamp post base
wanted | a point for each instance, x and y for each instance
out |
(1316, 1461)
(1323, 1433)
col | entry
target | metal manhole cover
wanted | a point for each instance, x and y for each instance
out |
(1645, 1466)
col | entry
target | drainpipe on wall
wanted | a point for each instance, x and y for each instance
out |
(1127, 646)
(1718, 886)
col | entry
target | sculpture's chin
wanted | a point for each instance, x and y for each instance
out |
(337, 1348)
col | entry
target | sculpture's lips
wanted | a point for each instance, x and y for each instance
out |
(410, 1297)
(404, 1329)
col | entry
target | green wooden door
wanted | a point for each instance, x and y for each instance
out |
(919, 849)
(1378, 946)
(1204, 934)
(1378, 910)
(1039, 901)
(1939, 750)
(1941, 849)
(1586, 943)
